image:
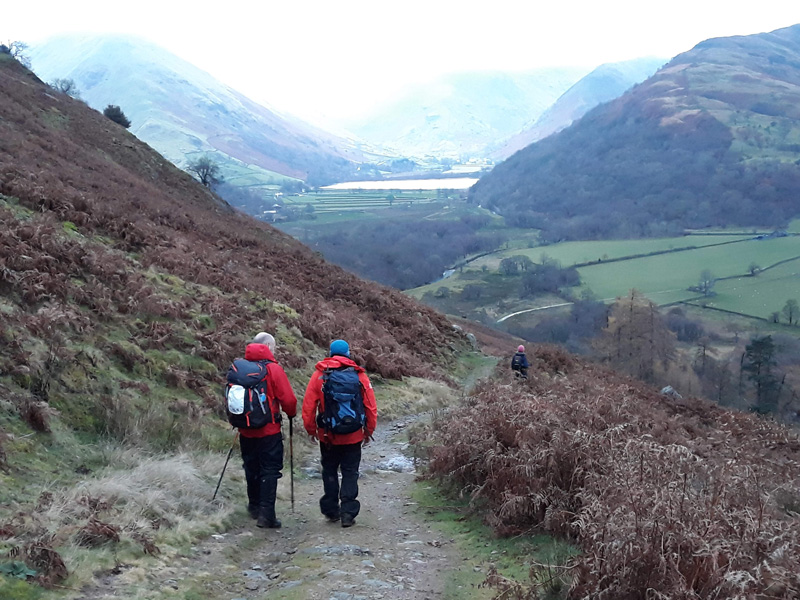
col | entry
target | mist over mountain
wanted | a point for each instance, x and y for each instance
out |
(459, 115)
(713, 138)
(182, 111)
(605, 83)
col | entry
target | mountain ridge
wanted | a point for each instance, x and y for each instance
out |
(711, 139)
(182, 111)
(605, 83)
(458, 115)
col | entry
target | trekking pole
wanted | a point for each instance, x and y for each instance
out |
(291, 459)
(226, 466)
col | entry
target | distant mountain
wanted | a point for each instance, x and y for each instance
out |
(605, 83)
(459, 115)
(713, 138)
(182, 111)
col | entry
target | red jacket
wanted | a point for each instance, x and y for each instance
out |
(314, 403)
(279, 390)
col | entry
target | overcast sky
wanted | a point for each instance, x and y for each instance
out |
(334, 59)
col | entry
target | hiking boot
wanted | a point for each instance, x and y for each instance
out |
(265, 522)
(332, 517)
(252, 510)
(348, 520)
(266, 518)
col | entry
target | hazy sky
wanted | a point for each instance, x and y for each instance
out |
(338, 58)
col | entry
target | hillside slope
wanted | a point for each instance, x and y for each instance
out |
(126, 289)
(665, 497)
(101, 234)
(182, 111)
(459, 115)
(605, 83)
(711, 139)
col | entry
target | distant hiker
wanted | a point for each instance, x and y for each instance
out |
(519, 364)
(257, 391)
(339, 410)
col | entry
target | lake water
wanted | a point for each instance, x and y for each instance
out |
(455, 183)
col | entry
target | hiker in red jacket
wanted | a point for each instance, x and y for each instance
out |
(262, 449)
(339, 410)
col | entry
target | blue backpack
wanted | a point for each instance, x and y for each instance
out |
(344, 403)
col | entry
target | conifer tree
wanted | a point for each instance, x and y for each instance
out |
(759, 364)
(636, 339)
(114, 112)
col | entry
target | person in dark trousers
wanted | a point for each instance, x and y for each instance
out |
(262, 449)
(519, 364)
(339, 451)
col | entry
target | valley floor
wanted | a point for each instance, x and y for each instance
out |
(391, 552)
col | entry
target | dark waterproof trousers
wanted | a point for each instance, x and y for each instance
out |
(263, 461)
(347, 458)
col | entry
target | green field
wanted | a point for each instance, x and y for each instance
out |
(240, 174)
(337, 201)
(759, 296)
(363, 207)
(571, 253)
(664, 278)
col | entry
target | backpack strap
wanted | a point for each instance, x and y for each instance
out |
(324, 377)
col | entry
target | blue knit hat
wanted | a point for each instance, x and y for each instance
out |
(341, 348)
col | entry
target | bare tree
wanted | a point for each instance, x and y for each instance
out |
(703, 352)
(508, 266)
(66, 86)
(790, 310)
(206, 170)
(18, 50)
(706, 283)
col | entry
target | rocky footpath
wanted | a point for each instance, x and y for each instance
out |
(389, 554)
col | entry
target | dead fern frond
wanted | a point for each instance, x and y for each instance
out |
(96, 533)
(39, 555)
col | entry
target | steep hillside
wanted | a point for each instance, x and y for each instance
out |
(665, 497)
(126, 288)
(711, 139)
(459, 115)
(103, 239)
(605, 83)
(182, 111)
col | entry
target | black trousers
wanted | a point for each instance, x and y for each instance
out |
(263, 461)
(347, 458)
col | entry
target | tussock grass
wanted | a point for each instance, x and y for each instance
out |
(140, 487)
(141, 505)
(414, 395)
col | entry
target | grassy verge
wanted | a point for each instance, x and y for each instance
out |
(149, 501)
(517, 559)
